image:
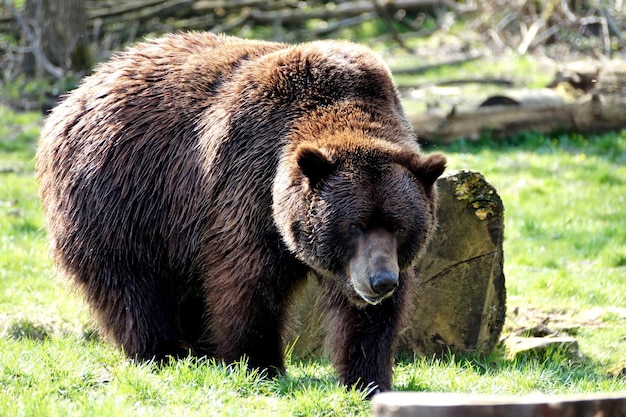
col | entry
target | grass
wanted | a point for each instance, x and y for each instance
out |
(565, 253)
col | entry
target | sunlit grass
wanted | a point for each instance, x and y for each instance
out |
(553, 374)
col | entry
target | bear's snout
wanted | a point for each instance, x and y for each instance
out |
(374, 269)
(383, 282)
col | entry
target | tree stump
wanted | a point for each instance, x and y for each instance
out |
(460, 303)
(429, 404)
(461, 298)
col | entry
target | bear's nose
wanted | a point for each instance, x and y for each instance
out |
(383, 282)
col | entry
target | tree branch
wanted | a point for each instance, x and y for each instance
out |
(34, 37)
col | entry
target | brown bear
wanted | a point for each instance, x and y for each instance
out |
(195, 181)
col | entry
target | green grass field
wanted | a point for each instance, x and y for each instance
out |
(565, 248)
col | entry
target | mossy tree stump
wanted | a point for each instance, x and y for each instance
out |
(460, 302)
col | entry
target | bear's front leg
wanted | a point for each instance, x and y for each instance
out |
(247, 315)
(243, 324)
(363, 341)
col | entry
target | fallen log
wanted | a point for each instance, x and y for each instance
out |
(340, 10)
(146, 10)
(589, 100)
(461, 300)
(151, 15)
(593, 113)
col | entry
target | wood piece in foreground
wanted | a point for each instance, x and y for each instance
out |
(424, 404)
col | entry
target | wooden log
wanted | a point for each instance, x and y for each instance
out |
(591, 114)
(261, 12)
(117, 22)
(148, 9)
(339, 11)
(593, 100)
(426, 404)
(461, 301)
(540, 346)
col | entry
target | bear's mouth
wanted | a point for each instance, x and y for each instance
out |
(371, 289)
(362, 294)
(371, 300)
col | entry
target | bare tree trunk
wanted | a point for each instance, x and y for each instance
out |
(55, 33)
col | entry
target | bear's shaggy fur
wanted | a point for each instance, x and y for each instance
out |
(192, 183)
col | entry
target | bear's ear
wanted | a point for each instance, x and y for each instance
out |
(314, 163)
(427, 168)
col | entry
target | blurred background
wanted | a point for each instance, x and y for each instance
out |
(46, 46)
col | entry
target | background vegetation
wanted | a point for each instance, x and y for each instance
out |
(61, 40)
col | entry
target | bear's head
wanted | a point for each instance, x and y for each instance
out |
(357, 210)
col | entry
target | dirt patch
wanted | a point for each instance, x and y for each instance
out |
(523, 321)
(534, 332)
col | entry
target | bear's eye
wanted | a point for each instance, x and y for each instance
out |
(401, 231)
(355, 229)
